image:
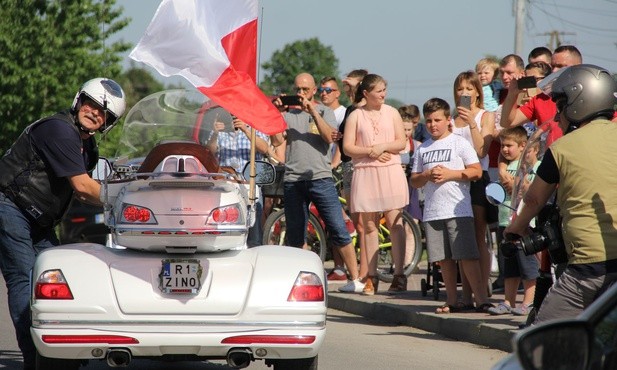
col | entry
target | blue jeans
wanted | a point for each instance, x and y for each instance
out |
(20, 243)
(323, 194)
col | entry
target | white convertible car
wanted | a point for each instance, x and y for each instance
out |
(175, 279)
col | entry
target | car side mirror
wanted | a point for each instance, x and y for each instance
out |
(103, 170)
(264, 172)
(550, 346)
(495, 193)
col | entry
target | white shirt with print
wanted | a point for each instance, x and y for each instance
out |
(450, 199)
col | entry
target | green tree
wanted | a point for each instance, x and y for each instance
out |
(49, 48)
(300, 56)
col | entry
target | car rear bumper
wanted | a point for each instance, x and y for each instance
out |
(271, 343)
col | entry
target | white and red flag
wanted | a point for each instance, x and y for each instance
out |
(213, 44)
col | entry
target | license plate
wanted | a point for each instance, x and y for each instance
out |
(180, 276)
(99, 218)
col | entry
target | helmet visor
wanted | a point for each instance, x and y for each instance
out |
(546, 85)
(110, 121)
(110, 117)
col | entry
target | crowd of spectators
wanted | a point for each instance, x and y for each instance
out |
(388, 160)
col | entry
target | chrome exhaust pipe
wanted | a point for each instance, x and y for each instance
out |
(239, 358)
(118, 357)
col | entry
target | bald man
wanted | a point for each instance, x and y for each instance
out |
(308, 174)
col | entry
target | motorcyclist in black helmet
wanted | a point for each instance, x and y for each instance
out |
(582, 163)
(46, 166)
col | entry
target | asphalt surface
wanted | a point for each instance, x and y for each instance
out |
(413, 309)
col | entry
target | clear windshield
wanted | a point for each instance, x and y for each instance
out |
(169, 115)
(530, 160)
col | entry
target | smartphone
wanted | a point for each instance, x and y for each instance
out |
(465, 101)
(526, 82)
(291, 100)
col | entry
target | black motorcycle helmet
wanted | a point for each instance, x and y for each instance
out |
(582, 92)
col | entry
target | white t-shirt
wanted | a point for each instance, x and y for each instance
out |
(450, 199)
(466, 133)
(339, 114)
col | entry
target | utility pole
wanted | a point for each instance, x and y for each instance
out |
(554, 41)
(519, 26)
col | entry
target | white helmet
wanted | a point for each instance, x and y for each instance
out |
(106, 93)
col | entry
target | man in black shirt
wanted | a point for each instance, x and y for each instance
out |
(46, 166)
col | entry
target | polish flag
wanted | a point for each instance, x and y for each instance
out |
(213, 44)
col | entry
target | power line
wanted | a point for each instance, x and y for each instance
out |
(570, 23)
(599, 12)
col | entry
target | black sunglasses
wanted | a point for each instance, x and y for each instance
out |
(327, 90)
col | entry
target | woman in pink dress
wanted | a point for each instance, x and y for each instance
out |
(374, 137)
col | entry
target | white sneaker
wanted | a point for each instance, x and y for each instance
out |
(352, 286)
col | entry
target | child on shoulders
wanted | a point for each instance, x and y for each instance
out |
(488, 71)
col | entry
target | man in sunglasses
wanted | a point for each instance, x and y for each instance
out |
(581, 164)
(329, 95)
(46, 166)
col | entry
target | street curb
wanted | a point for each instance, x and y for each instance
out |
(467, 327)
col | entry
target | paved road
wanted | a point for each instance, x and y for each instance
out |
(352, 342)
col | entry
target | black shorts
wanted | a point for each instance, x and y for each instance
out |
(478, 197)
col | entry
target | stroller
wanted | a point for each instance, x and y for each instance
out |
(433, 280)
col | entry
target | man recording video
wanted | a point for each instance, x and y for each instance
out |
(582, 163)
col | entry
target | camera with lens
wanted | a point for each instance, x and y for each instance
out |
(547, 236)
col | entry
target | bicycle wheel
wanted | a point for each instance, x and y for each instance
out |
(275, 230)
(413, 249)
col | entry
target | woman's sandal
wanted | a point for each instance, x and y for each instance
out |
(483, 308)
(462, 307)
(446, 308)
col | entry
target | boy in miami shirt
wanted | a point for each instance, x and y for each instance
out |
(445, 165)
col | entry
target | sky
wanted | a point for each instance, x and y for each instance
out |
(419, 47)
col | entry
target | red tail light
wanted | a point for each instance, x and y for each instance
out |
(307, 288)
(135, 214)
(51, 284)
(225, 215)
(85, 339)
(270, 339)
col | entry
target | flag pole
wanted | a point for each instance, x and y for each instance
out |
(252, 191)
(253, 138)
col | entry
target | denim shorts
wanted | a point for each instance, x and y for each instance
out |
(322, 193)
(520, 265)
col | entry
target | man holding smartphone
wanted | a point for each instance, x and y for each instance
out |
(308, 174)
(539, 108)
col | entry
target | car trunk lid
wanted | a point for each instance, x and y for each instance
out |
(144, 288)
